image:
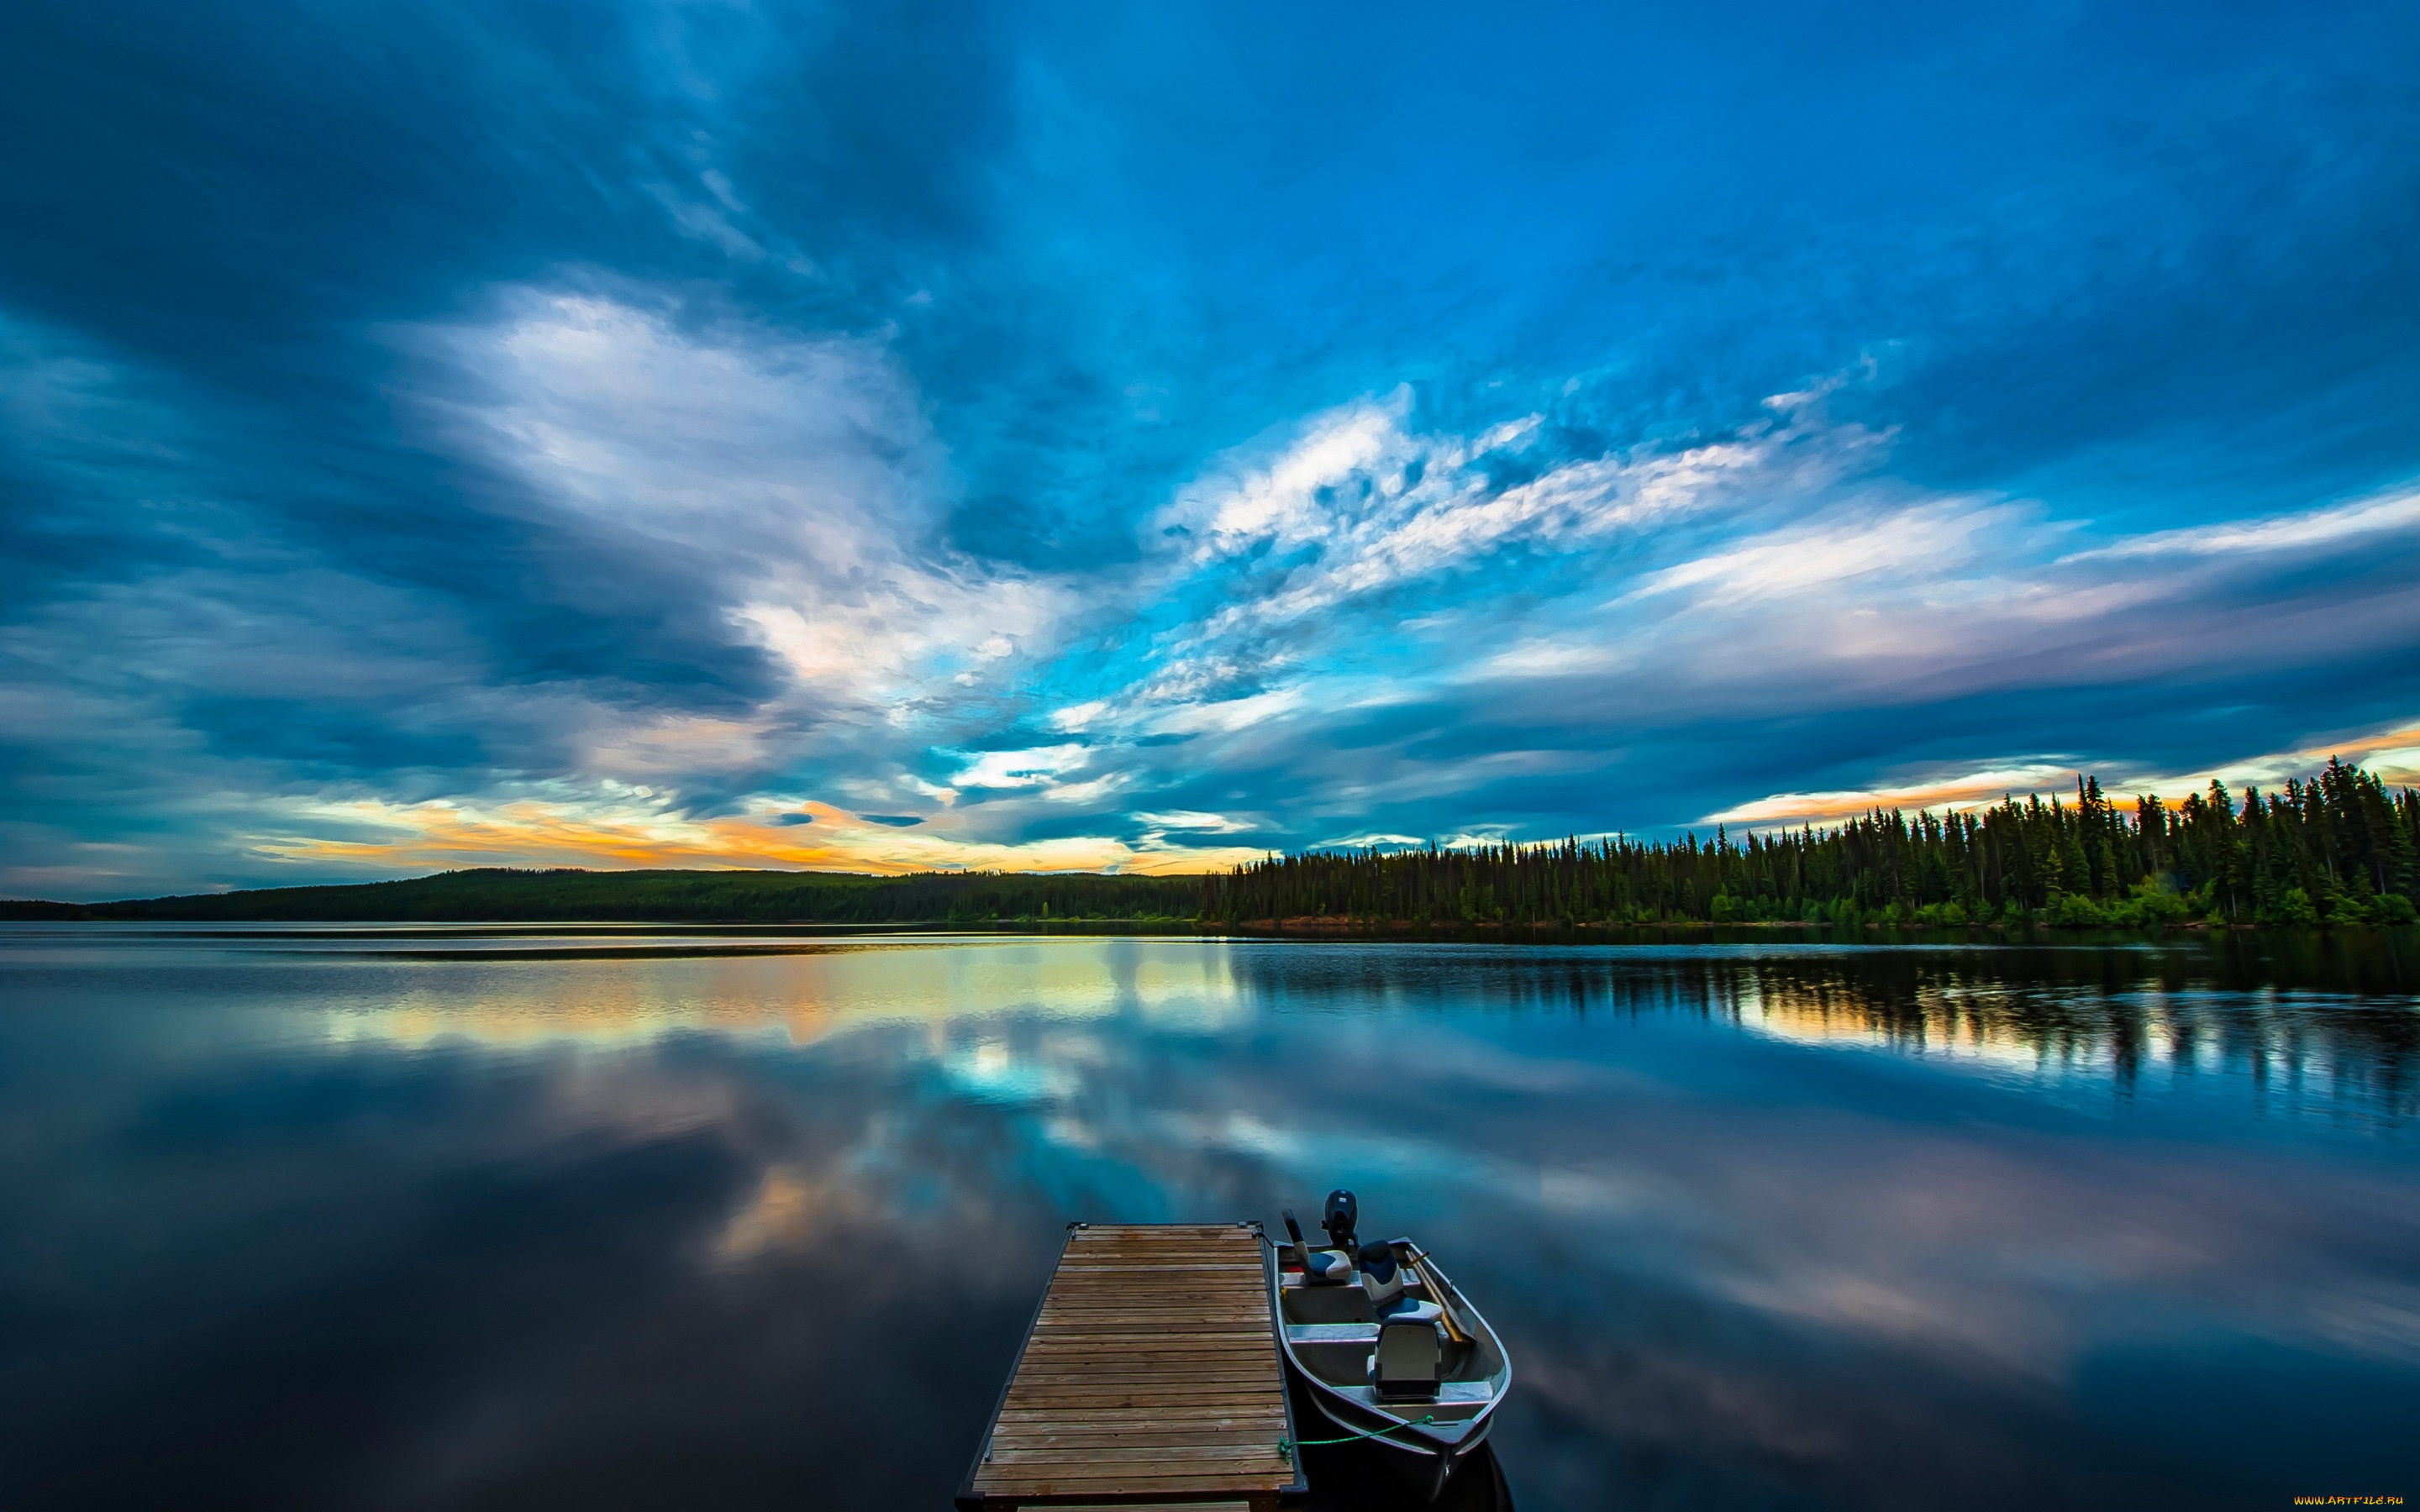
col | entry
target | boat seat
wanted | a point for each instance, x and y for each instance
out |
(1405, 1366)
(1305, 1303)
(1390, 1284)
(1327, 1268)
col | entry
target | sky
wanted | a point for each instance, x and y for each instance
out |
(885, 437)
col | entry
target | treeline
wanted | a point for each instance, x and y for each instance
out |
(499, 894)
(2340, 849)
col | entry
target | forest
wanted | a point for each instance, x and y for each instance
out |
(2338, 849)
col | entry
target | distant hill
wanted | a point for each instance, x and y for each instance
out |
(500, 893)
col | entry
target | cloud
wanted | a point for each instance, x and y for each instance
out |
(612, 828)
(1961, 790)
(2394, 754)
(1592, 610)
(790, 480)
(1036, 767)
(1933, 540)
(1360, 505)
(1364, 633)
(809, 412)
(1214, 824)
(2393, 513)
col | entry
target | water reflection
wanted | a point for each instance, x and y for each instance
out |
(488, 1221)
(2338, 1053)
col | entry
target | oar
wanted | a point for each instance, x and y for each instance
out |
(1445, 1308)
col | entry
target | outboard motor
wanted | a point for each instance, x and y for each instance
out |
(1342, 1214)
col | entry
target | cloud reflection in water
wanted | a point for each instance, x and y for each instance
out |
(1763, 1226)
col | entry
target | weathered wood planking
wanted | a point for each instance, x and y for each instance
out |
(1151, 1376)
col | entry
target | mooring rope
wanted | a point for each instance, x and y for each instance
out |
(1287, 1446)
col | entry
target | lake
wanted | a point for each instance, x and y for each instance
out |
(618, 1218)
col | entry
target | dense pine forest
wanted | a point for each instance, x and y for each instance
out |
(2340, 849)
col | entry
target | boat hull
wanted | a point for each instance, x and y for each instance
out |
(1427, 1467)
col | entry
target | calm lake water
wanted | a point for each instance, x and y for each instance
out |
(461, 1219)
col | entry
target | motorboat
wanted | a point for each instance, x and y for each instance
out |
(1389, 1350)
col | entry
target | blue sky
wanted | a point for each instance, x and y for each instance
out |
(1058, 436)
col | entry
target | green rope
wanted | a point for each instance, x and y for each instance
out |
(1287, 1446)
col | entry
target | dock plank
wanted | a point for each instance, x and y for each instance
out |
(1151, 1374)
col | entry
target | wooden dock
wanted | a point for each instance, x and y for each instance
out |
(1151, 1377)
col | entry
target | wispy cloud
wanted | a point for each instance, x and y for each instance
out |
(1021, 769)
(2390, 513)
(817, 413)
(791, 481)
(1936, 543)
(1361, 504)
(2394, 754)
(623, 828)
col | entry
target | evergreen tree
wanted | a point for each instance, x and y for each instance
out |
(2340, 849)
